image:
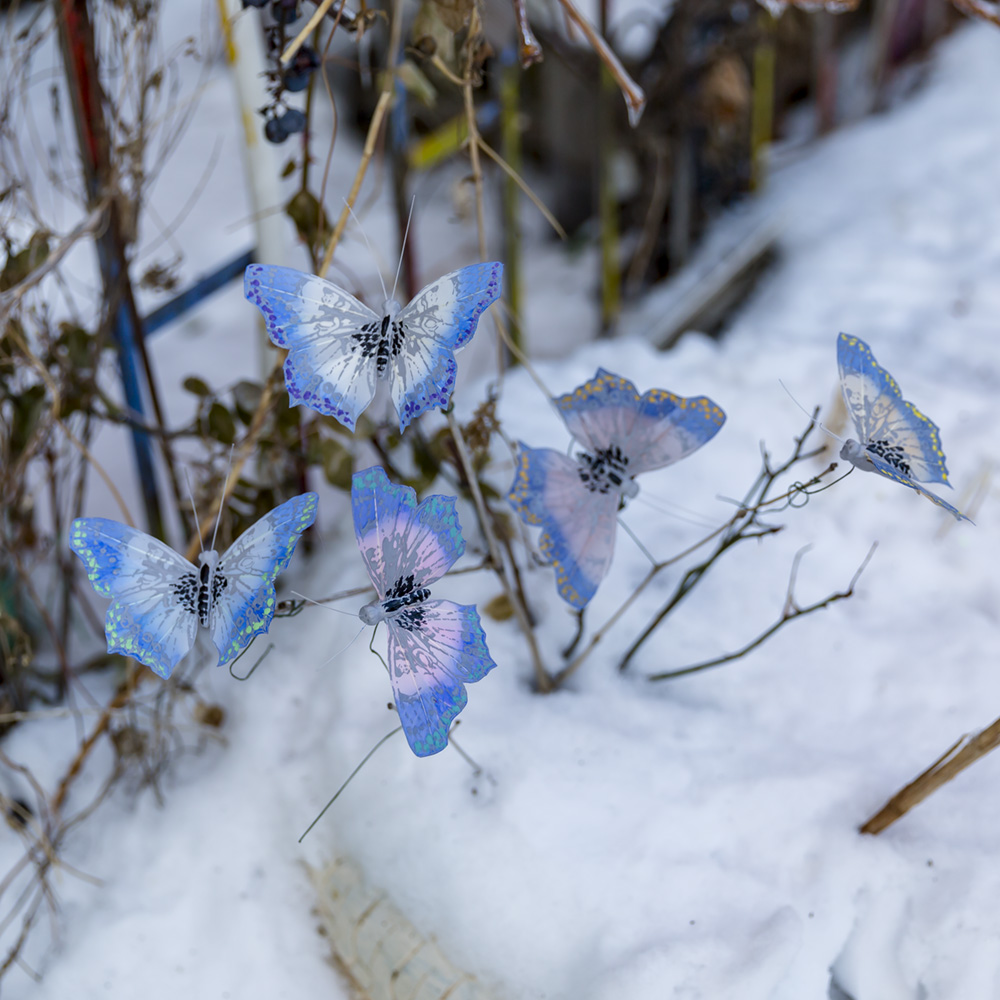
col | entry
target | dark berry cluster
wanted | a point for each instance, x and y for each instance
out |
(281, 121)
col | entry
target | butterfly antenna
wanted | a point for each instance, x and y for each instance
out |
(222, 499)
(402, 249)
(194, 509)
(249, 674)
(812, 416)
(364, 760)
(364, 236)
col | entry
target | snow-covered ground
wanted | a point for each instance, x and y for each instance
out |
(695, 839)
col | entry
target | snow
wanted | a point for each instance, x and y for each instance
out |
(695, 839)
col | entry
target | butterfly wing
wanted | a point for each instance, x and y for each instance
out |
(890, 472)
(441, 318)
(578, 526)
(653, 430)
(400, 538)
(152, 616)
(435, 649)
(902, 435)
(330, 366)
(245, 605)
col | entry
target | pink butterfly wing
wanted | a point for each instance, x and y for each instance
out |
(578, 525)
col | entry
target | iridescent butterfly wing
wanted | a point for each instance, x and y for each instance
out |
(328, 334)
(651, 431)
(435, 647)
(151, 616)
(578, 525)
(246, 599)
(441, 318)
(898, 441)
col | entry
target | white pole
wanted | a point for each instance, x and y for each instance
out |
(246, 57)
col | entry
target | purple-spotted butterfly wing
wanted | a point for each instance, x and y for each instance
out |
(146, 619)
(441, 318)
(322, 327)
(336, 345)
(653, 430)
(398, 537)
(435, 647)
(246, 603)
(578, 526)
(433, 653)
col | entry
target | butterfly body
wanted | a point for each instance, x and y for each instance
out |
(895, 439)
(159, 599)
(339, 349)
(576, 500)
(436, 647)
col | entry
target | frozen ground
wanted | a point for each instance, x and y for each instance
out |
(693, 840)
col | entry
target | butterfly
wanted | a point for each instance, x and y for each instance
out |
(435, 647)
(158, 598)
(339, 349)
(896, 439)
(576, 500)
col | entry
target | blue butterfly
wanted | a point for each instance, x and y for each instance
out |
(896, 439)
(435, 647)
(339, 349)
(158, 598)
(576, 500)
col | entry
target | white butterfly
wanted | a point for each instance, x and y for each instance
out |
(895, 439)
(158, 598)
(338, 348)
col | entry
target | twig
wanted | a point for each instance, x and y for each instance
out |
(754, 502)
(388, 85)
(522, 184)
(789, 612)
(988, 10)
(635, 97)
(542, 677)
(529, 51)
(965, 751)
(240, 457)
(293, 46)
(120, 699)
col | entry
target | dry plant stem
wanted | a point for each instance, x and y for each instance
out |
(474, 140)
(952, 762)
(529, 51)
(132, 681)
(988, 11)
(747, 512)
(385, 98)
(43, 372)
(300, 39)
(543, 680)
(635, 97)
(240, 458)
(789, 612)
(522, 184)
(87, 227)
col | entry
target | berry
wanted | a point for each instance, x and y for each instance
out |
(285, 11)
(292, 121)
(297, 75)
(274, 130)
